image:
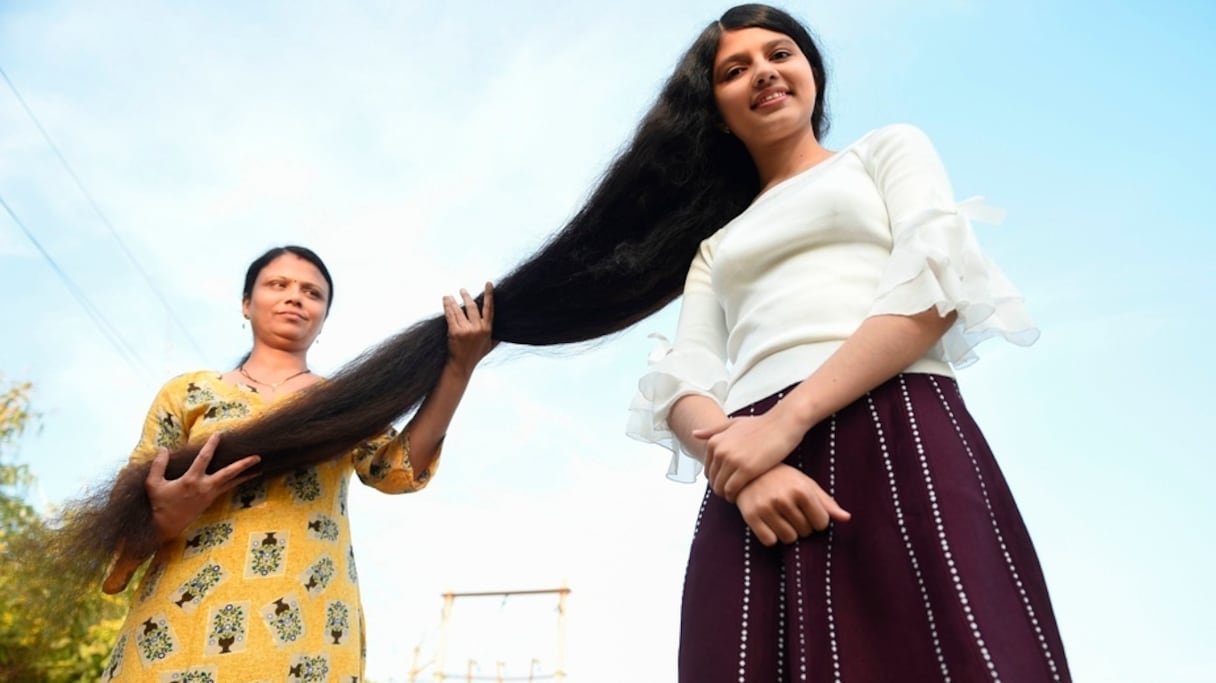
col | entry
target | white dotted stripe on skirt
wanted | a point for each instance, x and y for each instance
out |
(1000, 538)
(701, 513)
(798, 593)
(781, 625)
(903, 532)
(939, 524)
(747, 598)
(828, 566)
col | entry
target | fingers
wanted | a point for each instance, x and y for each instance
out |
(237, 482)
(707, 432)
(203, 459)
(466, 315)
(452, 312)
(487, 305)
(223, 477)
(782, 527)
(471, 312)
(734, 483)
(761, 529)
(719, 471)
(157, 471)
(834, 510)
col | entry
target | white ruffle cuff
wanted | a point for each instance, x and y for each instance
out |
(937, 262)
(673, 375)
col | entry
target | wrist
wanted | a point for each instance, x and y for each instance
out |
(458, 370)
(794, 412)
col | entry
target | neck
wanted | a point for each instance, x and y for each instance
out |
(274, 362)
(785, 157)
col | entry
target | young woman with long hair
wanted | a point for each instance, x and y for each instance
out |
(254, 576)
(829, 297)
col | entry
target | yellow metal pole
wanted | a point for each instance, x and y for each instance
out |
(560, 674)
(441, 656)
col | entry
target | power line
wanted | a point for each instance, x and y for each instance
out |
(106, 221)
(111, 334)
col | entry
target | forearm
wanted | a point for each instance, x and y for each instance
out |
(690, 413)
(880, 348)
(430, 424)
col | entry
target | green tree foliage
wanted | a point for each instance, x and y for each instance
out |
(47, 632)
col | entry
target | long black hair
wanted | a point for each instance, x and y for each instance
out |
(622, 257)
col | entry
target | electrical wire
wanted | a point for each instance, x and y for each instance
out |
(151, 283)
(111, 334)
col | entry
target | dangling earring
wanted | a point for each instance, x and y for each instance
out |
(245, 324)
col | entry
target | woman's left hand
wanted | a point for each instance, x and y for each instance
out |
(740, 449)
(469, 329)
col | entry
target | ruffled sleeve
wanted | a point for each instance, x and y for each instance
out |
(936, 260)
(693, 365)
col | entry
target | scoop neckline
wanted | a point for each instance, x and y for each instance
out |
(811, 169)
(246, 389)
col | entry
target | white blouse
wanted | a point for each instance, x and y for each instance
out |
(872, 230)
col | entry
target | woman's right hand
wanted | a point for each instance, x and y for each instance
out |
(176, 503)
(783, 504)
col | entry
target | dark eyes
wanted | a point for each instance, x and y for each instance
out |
(778, 55)
(311, 292)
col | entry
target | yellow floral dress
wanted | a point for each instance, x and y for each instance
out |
(262, 587)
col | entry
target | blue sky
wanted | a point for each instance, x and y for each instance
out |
(422, 148)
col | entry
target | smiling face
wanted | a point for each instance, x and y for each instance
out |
(288, 303)
(763, 85)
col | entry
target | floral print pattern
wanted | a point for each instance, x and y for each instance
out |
(154, 639)
(284, 619)
(304, 484)
(324, 528)
(229, 624)
(337, 621)
(273, 550)
(250, 494)
(317, 577)
(308, 669)
(267, 554)
(188, 596)
(207, 537)
(195, 675)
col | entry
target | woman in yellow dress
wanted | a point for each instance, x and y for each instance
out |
(255, 577)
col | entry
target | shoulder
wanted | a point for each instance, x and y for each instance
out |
(894, 137)
(189, 381)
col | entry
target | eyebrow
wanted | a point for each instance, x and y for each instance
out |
(303, 283)
(738, 56)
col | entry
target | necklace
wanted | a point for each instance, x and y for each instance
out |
(273, 387)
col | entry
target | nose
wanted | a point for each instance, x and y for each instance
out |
(295, 294)
(765, 73)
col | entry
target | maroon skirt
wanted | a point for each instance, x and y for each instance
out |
(933, 579)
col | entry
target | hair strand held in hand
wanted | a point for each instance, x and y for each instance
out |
(622, 257)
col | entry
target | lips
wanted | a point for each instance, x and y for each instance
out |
(291, 315)
(769, 96)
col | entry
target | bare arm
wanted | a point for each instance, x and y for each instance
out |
(737, 451)
(689, 414)
(468, 342)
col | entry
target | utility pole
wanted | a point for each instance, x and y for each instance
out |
(449, 600)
